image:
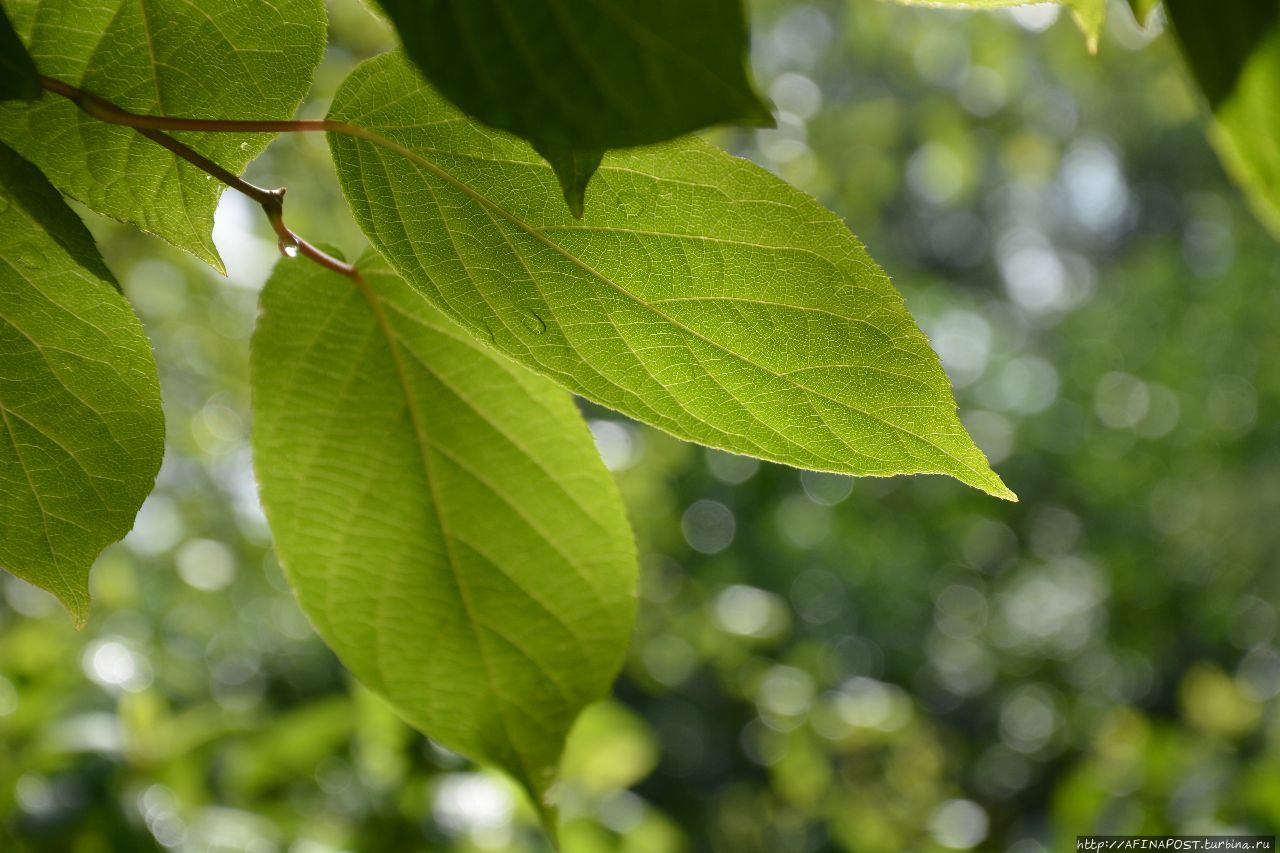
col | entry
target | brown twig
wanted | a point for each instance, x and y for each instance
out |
(271, 201)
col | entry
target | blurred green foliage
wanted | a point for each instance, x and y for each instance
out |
(821, 664)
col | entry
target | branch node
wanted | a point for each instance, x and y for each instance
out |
(271, 201)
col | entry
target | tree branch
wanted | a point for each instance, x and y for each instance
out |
(154, 127)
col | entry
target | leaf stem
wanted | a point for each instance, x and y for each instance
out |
(271, 201)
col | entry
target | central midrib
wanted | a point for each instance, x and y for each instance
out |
(402, 376)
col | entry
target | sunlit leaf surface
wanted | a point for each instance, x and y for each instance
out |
(442, 515)
(81, 431)
(699, 294)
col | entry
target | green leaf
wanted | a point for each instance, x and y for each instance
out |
(18, 79)
(1089, 15)
(577, 77)
(244, 59)
(442, 515)
(1233, 50)
(81, 430)
(1142, 10)
(700, 294)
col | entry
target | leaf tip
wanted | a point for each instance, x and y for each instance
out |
(989, 481)
(575, 197)
(573, 168)
(983, 479)
(1003, 492)
(76, 603)
(542, 798)
(980, 475)
(1090, 15)
(207, 254)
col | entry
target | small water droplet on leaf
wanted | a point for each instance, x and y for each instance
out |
(480, 329)
(631, 203)
(29, 256)
(531, 321)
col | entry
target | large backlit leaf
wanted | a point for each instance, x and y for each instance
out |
(701, 295)
(577, 77)
(442, 515)
(18, 78)
(1234, 52)
(246, 59)
(81, 431)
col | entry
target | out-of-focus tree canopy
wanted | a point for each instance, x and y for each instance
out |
(821, 663)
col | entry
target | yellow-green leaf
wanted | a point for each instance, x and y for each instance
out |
(1142, 10)
(81, 430)
(699, 294)
(442, 515)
